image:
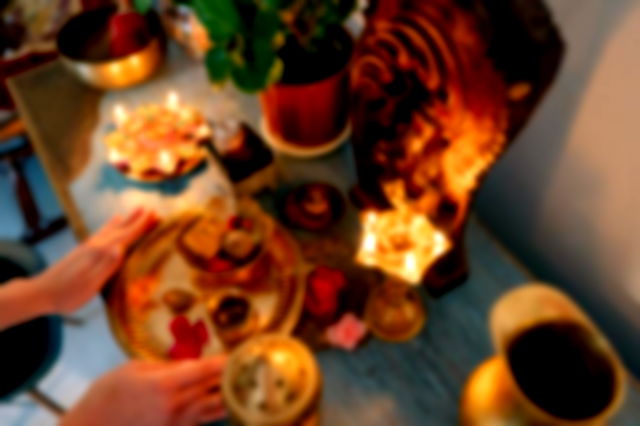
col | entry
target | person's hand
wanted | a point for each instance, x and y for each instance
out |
(75, 279)
(144, 393)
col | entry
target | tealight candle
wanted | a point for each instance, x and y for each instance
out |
(173, 101)
(120, 114)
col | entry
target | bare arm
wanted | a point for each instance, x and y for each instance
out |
(21, 301)
(74, 280)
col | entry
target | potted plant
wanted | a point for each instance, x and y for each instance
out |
(295, 52)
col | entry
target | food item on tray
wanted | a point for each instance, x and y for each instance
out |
(233, 252)
(156, 141)
(243, 241)
(178, 300)
(313, 206)
(233, 318)
(139, 292)
(203, 238)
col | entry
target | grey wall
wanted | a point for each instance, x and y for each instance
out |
(566, 198)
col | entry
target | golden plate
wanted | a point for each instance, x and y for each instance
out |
(140, 319)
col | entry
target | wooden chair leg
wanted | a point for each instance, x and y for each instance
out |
(36, 230)
(45, 401)
(28, 207)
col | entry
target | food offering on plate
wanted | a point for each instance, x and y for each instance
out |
(313, 206)
(205, 281)
(233, 317)
(156, 142)
(230, 251)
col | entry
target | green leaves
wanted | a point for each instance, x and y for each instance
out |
(275, 4)
(266, 24)
(219, 17)
(247, 35)
(218, 64)
(142, 6)
(261, 67)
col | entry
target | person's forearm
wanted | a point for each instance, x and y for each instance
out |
(20, 301)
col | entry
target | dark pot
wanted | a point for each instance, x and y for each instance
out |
(309, 106)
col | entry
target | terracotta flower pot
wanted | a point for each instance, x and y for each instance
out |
(310, 113)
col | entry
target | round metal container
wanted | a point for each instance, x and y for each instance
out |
(83, 43)
(272, 380)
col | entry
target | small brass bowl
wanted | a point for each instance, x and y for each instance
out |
(83, 45)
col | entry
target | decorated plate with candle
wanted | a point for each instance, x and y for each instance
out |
(203, 282)
(156, 142)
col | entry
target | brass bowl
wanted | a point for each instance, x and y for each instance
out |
(83, 45)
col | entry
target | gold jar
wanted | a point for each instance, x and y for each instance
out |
(553, 366)
(272, 380)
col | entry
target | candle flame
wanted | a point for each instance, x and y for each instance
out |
(173, 101)
(410, 263)
(203, 131)
(114, 156)
(165, 161)
(401, 242)
(369, 242)
(120, 114)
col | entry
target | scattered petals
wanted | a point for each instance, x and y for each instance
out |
(189, 339)
(347, 332)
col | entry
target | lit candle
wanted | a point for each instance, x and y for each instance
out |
(173, 102)
(165, 161)
(369, 243)
(411, 266)
(120, 114)
(203, 131)
(114, 156)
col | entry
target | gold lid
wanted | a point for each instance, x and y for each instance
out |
(271, 379)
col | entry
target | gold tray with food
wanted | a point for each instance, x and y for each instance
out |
(202, 282)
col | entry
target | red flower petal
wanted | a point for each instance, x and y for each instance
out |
(184, 351)
(180, 327)
(200, 331)
(217, 264)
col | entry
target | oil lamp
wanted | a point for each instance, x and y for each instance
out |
(403, 243)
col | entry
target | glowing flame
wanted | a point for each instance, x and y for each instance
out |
(401, 242)
(173, 101)
(203, 131)
(120, 114)
(114, 156)
(166, 161)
